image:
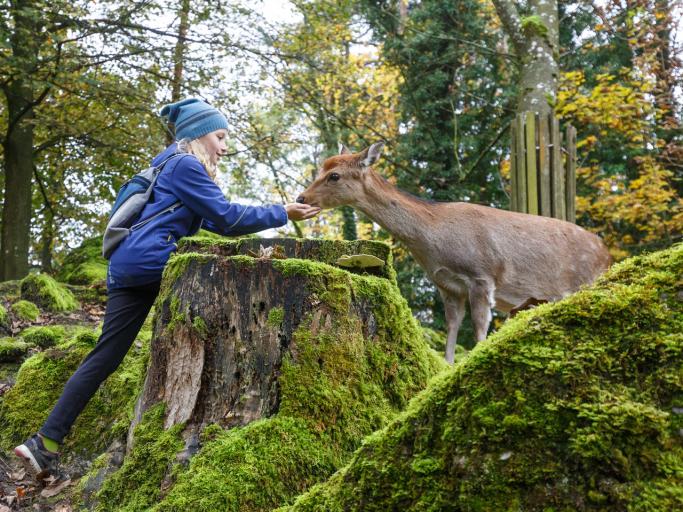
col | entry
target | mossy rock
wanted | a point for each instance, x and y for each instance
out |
(48, 293)
(40, 382)
(25, 310)
(10, 290)
(43, 336)
(84, 265)
(12, 350)
(575, 405)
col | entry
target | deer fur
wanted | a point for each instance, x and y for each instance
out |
(489, 257)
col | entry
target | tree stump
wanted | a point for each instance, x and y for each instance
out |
(225, 321)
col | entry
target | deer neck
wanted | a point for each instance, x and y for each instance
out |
(404, 216)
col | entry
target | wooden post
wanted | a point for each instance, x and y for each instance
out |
(531, 173)
(521, 165)
(557, 172)
(513, 168)
(571, 174)
(544, 166)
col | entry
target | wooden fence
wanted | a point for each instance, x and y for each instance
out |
(543, 174)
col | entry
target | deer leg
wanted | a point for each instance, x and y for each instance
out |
(481, 303)
(454, 307)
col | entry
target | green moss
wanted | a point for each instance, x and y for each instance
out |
(276, 316)
(84, 265)
(137, 485)
(12, 350)
(337, 385)
(48, 293)
(570, 406)
(252, 468)
(4, 318)
(25, 310)
(41, 380)
(199, 325)
(533, 26)
(44, 337)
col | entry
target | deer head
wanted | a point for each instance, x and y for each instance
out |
(341, 179)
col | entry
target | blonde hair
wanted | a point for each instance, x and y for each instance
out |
(196, 148)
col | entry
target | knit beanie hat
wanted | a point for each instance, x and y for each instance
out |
(193, 118)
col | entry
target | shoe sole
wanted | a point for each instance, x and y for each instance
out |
(29, 461)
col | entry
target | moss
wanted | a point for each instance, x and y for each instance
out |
(137, 485)
(25, 310)
(12, 350)
(48, 293)
(84, 265)
(337, 385)
(533, 26)
(570, 406)
(252, 468)
(41, 380)
(276, 316)
(44, 337)
(200, 325)
(4, 318)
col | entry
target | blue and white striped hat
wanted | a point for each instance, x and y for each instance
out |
(193, 118)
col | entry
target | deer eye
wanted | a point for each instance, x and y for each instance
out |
(333, 177)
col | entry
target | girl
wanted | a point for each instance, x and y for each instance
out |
(135, 267)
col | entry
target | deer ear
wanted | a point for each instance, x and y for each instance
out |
(343, 150)
(372, 154)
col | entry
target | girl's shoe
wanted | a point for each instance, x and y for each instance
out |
(37, 459)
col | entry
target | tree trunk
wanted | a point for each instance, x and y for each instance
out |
(536, 42)
(18, 146)
(225, 322)
(179, 57)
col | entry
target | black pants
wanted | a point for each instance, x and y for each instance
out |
(126, 311)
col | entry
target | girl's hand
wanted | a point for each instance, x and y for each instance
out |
(299, 211)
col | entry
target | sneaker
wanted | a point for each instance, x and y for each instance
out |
(37, 459)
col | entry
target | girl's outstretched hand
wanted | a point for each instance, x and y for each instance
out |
(299, 211)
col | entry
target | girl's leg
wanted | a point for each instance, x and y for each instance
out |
(126, 311)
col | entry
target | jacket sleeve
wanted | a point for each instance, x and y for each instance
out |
(199, 193)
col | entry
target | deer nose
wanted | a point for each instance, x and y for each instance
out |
(301, 199)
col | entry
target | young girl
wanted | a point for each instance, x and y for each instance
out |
(135, 267)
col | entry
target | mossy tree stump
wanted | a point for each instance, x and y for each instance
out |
(225, 321)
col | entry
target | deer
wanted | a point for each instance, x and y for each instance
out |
(491, 258)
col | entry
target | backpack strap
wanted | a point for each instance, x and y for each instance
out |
(177, 204)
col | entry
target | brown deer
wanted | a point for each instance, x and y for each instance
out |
(494, 258)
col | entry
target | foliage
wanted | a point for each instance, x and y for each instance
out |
(617, 91)
(572, 405)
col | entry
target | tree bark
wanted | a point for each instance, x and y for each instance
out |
(536, 42)
(18, 146)
(179, 57)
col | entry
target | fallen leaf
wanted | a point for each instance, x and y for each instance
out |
(54, 490)
(18, 475)
(21, 492)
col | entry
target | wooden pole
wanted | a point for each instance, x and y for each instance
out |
(571, 173)
(531, 173)
(544, 166)
(513, 168)
(557, 172)
(521, 165)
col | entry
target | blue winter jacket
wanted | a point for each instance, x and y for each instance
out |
(141, 257)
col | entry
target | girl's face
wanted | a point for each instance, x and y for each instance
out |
(215, 144)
